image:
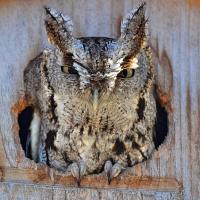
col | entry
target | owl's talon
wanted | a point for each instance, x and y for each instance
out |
(109, 179)
(78, 171)
(112, 171)
(82, 168)
(116, 170)
(107, 169)
(75, 172)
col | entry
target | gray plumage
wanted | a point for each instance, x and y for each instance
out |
(95, 97)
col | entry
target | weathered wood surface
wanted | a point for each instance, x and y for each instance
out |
(14, 191)
(46, 176)
(175, 38)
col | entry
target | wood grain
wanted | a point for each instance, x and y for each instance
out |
(174, 32)
(43, 176)
(30, 191)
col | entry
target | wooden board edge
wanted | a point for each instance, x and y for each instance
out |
(49, 177)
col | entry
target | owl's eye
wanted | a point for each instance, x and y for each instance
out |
(126, 73)
(69, 70)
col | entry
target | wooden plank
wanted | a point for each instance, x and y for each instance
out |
(44, 192)
(3, 160)
(45, 176)
(193, 98)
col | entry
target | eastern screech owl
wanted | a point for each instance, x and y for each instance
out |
(93, 98)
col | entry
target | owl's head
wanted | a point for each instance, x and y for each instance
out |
(102, 65)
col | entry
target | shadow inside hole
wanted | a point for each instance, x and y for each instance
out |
(24, 121)
(161, 126)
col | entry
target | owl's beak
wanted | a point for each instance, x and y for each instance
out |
(95, 98)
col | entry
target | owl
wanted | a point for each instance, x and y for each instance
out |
(94, 108)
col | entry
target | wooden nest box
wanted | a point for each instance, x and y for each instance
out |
(173, 172)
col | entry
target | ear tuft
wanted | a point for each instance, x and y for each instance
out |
(133, 31)
(59, 29)
(135, 16)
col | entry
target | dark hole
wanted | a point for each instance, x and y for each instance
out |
(161, 126)
(24, 121)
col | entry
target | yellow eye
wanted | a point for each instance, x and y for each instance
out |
(68, 70)
(64, 69)
(126, 73)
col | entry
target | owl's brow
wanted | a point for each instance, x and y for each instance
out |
(83, 66)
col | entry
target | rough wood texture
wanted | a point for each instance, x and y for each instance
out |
(175, 38)
(14, 191)
(46, 176)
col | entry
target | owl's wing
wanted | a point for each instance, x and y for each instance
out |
(32, 82)
(28, 146)
(32, 76)
(29, 123)
(34, 137)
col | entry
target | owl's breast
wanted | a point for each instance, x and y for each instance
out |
(94, 137)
